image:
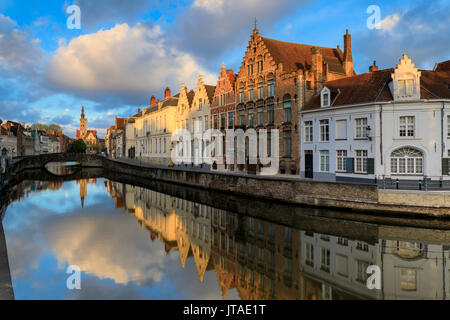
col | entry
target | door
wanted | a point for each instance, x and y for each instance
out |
(309, 164)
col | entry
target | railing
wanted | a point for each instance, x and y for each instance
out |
(420, 183)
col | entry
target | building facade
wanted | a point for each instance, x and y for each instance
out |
(223, 111)
(274, 81)
(379, 126)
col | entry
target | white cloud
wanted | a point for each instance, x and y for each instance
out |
(124, 61)
(388, 23)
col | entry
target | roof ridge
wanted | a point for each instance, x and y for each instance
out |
(296, 43)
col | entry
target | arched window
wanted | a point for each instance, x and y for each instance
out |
(407, 161)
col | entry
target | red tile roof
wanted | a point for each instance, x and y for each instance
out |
(296, 56)
(373, 87)
(210, 92)
(442, 66)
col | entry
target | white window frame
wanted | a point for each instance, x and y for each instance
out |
(361, 157)
(309, 131)
(325, 98)
(324, 160)
(324, 129)
(341, 160)
(360, 128)
(408, 126)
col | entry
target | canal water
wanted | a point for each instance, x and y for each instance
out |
(130, 242)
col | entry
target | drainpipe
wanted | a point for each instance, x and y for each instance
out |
(442, 136)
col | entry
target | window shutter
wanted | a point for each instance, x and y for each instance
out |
(445, 166)
(350, 164)
(370, 165)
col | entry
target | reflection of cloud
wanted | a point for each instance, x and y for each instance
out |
(117, 256)
(106, 248)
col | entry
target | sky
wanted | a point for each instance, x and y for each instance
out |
(127, 51)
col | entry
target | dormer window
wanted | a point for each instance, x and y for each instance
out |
(406, 80)
(325, 97)
(406, 87)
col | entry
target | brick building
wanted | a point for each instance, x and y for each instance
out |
(223, 106)
(276, 78)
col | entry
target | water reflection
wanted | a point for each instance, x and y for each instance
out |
(62, 168)
(190, 250)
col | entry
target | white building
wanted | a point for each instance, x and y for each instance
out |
(389, 124)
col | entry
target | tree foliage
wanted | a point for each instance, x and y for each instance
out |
(79, 146)
(44, 127)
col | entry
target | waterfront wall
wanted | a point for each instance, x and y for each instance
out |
(356, 197)
(348, 196)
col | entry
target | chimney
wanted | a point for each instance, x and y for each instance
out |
(348, 58)
(139, 110)
(167, 93)
(317, 65)
(374, 67)
(152, 100)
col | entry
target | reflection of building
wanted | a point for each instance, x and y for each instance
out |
(265, 260)
(83, 188)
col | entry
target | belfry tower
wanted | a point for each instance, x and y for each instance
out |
(83, 124)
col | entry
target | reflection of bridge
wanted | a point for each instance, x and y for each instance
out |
(39, 161)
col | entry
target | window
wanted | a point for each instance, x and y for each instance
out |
(250, 93)
(361, 161)
(408, 279)
(406, 87)
(206, 122)
(325, 259)
(250, 69)
(407, 126)
(360, 128)
(341, 129)
(308, 131)
(271, 88)
(241, 95)
(223, 120)
(324, 130)
(270, 114)
(250, 117)
(260, 66)
(287, 111)
(309, 259)
(230, 120)
(261, 116)
(448, 126)
(324, 161)
(341, 160)
(260, 90)
(216, 121)
(407, 161)
(261, 257)
(361, 271)
(242, 118)
(325, 98)
(287, 144)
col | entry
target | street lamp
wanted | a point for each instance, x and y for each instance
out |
(368, 129)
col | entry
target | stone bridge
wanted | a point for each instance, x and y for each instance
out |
(38, 162)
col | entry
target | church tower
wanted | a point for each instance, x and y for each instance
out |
(83, 124)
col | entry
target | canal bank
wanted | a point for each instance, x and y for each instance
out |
(336, 195)
(6, 288)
